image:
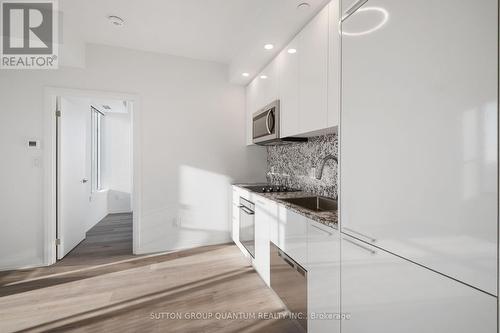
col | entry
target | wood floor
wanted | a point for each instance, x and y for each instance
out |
(100, 286)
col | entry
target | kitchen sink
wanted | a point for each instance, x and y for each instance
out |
(317, 204)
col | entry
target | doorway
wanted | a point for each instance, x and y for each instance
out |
(92, 170)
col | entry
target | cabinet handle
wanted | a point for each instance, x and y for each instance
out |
(326, 232)
(360, 246)
(371, 239)
(353, 9)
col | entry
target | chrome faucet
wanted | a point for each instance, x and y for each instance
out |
(319, 174)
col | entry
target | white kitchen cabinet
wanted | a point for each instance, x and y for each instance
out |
(385, 293)
(268, 85)
(288, 70)
(334, 64)
(323, 278)
(292, 234)
(251, 107)
(313, 73)
(266, 212)
(419, 133)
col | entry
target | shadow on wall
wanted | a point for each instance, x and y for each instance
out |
(200, 217)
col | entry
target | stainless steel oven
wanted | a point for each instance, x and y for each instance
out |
(266, 123)
(247, 225)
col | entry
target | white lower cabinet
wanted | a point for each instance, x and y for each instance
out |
(265, 215)
(385, 293)
(323, 278)
(292, 234)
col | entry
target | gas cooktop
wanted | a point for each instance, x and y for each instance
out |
(270, 189)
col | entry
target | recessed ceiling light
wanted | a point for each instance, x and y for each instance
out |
(245, 74)
(292, 51)
(116, 20)
(303, 5)
(269, 46)
(263, 77)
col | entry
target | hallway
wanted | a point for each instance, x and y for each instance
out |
(101, 286)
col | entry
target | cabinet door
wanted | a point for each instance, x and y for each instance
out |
(419, 133)
(251, 107)
(292, 235)
(268, 85)
(288, 73)
(334, 65)
(323, 278)
(384, 293)
(265, 215)
(313, 74)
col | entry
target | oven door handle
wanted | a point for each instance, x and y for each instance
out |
(246, 210)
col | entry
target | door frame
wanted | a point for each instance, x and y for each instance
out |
(50, 162)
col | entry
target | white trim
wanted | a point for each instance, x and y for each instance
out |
(49, 157)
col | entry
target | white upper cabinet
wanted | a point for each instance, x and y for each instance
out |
(288, 70)
(313, 74)
(419, 133)
(334, 54)
(305, 77)
(384, 293)
(251, 107)
(268, 85)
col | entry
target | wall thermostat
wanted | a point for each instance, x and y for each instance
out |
(34, 144)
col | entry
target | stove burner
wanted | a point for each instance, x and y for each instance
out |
(271, 189)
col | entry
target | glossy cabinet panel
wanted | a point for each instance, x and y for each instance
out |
(268, 85)
(323, 278)
(292, 235)
(334, 64)
(265, 215)
(384, 293)
(313, 74)
(251, 107)
(419, 133)
(288, 70)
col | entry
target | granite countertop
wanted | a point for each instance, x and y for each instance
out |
(328, 218)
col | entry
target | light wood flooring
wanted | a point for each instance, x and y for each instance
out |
(101, 287)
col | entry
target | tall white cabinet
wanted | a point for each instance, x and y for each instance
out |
(419, 133)
(384, 293)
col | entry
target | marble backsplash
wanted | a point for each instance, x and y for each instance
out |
(292, 165)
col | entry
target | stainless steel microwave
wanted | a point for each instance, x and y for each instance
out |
(266, 127)
(266, 123)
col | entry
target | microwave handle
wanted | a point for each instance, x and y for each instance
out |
(268, 117)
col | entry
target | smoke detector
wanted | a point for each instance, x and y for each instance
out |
(303, 5)
(116, 20)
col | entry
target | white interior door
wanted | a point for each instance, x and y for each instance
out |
(72, 179)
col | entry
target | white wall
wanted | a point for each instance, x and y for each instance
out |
(191, 118)
(117, 161)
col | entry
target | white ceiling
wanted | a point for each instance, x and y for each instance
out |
(232, 32)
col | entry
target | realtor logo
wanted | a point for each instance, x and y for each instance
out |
(29, 34)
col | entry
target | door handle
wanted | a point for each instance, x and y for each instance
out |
(268, 118)
(84, 180)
